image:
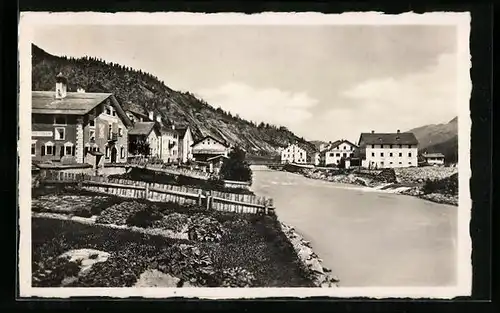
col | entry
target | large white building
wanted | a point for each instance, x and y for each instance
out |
(293, 154)
(388, 150)
(338, 150)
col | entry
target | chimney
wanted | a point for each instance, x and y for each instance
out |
(398, 131)
(61, 86)
(158, 118)
(151, 115)
(373, 131)
(80, 90)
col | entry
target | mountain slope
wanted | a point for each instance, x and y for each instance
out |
(439, 138)
(143, 92)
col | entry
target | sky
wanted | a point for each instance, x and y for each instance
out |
(323, 82)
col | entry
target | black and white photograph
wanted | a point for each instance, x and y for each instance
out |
(244, 156)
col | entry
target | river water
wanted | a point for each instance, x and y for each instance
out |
(368, 238)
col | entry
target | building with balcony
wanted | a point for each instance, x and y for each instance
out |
(208, 147)
(388, 150)
(67, 126)
(435, 159)
(145, 132)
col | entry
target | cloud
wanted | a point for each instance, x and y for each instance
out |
(391, 103)
(269, 105)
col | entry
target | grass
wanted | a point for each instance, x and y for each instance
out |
(252, 242)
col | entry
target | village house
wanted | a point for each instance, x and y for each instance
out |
(388, 150)
(74, 127)
(185, 142)
(294, 154)
(149, 133)
(436, 159)
(336, 151)
(208, 147)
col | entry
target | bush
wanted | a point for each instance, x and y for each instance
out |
(52, 271)
(83, 212)
(448, 185)
(235, 167)
(205, 228)
(144, 218)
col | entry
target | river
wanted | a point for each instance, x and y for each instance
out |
(368, 238)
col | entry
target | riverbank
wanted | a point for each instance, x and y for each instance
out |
(428, 183)
(200, 248)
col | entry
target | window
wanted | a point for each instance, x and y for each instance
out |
(92, 135)
(373, 146)
(390, 146)
(122, 152)
(409, 154)
(400, 146)
(60, 119)
(60, 133)
(400, 154)
(33, 149)
(68, 150)
(409, 163)
(390, 162)
(381, 154)
(114, 112)
(92, 122)
(338, 154)
(48, 149)
(400, 162)
(390, 154)
(331, 154)
(120, 131)
(344, 155)
(373, 154)
(108, 110)
(110, 129)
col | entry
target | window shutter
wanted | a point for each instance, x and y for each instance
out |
(73, 151)
(61, 151)
(42, 152)
(54, 150)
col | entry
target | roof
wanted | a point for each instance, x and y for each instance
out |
(142, 128)
(387, 139)
(433, 155)
(336, 144)
(212, 137)
(217, 157)
(182, 131)
(138, 114)
(75, 103)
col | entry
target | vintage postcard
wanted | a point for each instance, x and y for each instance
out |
(244, 156)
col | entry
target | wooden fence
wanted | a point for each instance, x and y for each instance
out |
(215, 200)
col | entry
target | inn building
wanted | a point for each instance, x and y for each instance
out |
(294, 154)
(208, 147)
(336, 151)
(388, 150)
(72, 127)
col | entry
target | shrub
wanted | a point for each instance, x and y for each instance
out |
(205, 228)
(235, 167)
(143, 218)
(173, 221)
(237, 277)
(448, 185)
(83, 212)
(52, 271)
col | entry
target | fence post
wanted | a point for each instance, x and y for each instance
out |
(199, 198)
(265, 207)
(146, 192)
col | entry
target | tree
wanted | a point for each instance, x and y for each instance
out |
(139, 146)
(236, 167)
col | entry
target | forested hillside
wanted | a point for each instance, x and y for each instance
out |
(142, 91)
(439, 138)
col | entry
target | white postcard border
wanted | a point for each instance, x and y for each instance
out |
(28, 22)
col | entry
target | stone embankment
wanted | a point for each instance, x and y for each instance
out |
(407, 181)
(320, 275)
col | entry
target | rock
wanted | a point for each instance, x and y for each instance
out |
(155, 278)
(87, 257)
(326, 269)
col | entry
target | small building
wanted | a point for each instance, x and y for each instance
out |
(208, 147)
(434, 158)
(215, 163)
(316, 158)
(388, 150)
(338, 151)
(294, 154)
(146, 132)
(185, 142)
(66, 125)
